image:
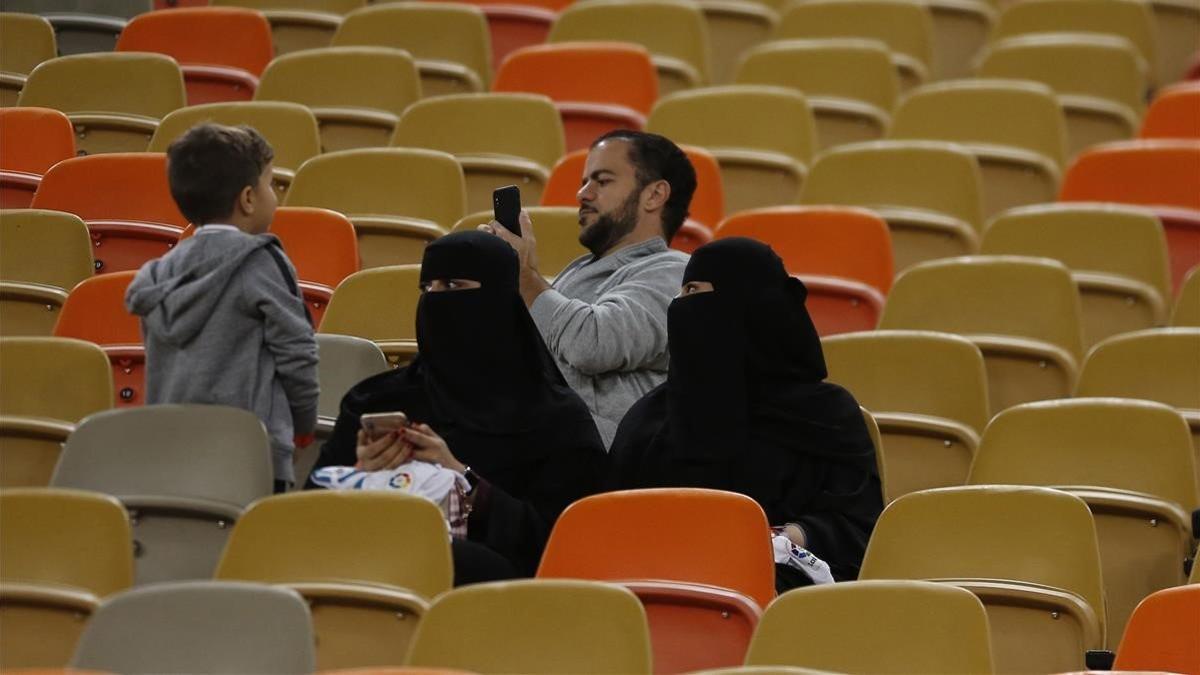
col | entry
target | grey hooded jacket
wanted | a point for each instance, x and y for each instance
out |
(222, 325)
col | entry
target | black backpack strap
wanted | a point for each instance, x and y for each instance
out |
(276, 251)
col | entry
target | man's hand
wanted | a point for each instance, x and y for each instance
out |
(384, 453)
(532, 282)
(427, 446)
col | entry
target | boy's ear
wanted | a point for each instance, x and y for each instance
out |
(245, 201)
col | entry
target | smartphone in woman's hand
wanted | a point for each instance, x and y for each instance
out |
(376, 425)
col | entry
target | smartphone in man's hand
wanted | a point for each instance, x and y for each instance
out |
(506, 205)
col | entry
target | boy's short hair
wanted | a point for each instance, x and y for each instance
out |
(656, 157)
(208, 167)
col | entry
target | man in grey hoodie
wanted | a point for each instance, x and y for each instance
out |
(222, 316)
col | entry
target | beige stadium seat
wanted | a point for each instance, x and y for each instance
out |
(672, 30)
(535, 626)
(1187, 303)
(927, 392)
(881, 458)
(1177, 25)
(735, 27)
(905, 26)
(875, 627)
(114, 100)
(181, 518)
(174, 628)
(556, 230)
(344, 361)
(367, 589)
(849, 83)
(1098, 78)
(299, 24)
(398, 199)
(46, 386)
(83, 26)
(357, 93)
(379, 305)
(1129, 19)
(25, 41)
(960, 32)
(1117, 256)
(763, 138)
(927, 191)
(450, 42)
(1130, 460)
(1023, 314)
(61, 552)
(500, 139)
(43, 254)
(1028, 553)
(1015, 130)
(290, 128)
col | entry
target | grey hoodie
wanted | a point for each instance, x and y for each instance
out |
(222, 325)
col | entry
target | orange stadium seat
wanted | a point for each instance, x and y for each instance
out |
(125, 200)
(597, 86)
(35, 139)
(95, 311)
(702, 608)
(1174, 113)
(221, 50)
(1163, 174)
(842, 254)
(1161, 634)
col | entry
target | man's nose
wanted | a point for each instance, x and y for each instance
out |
(584, 194)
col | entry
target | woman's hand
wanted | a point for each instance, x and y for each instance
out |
(381, 454)
(427, 446)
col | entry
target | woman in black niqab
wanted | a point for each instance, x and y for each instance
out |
(745, 408)
(484, 382)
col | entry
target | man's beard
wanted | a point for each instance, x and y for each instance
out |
(609, 228)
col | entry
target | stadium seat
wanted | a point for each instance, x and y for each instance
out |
(762, 137)
(181, 519)
(95, 311)
(343, 361)
(222, 51)
(734, 27)
(927, 191)
(35, 139)
(618, 92)
(1130, 460)
(125, 201)
(367, 592)
(536, 627)
(1098, 79)
(1023, 314)
(849, 83)
(1014, 129)
(960, 33)
(674, 32)
(61, 551)
(357, 93)
(1117, 256)
(1028, 553)
(905, 26)
(398, 199)
(556, 229)
(1174, 113)
(290, 128)
(1177, 27)
(513, 24)
(25, 41)
(875, 627)
(1187, 301)
(43, 254)
(297, 25)
(842, 254)
(448, 40)
(47, 386)
(499, 139)
(200, 627)
(701, 609)
(928, 394)
(83, 26)
(708, 202)
(1159, 634)
(114, 100)
(323, 248)
(380, 305)
(1161, 174)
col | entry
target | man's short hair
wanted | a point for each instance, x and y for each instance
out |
(654, 158)
(210, 165)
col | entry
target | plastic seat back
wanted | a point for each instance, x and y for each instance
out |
(535, 626)
(1159, 365)
(322, 246)
(27, 41)
(298, 25)
(1187, 301)
(173, 627)
(1174, 113)
(35, 139)
(44, 247)
(95, 311)
(345, 361)
(380, 305)
(1158, 635)
(1021, 550)
(866, 624)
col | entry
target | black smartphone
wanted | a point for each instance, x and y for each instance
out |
(506, 205)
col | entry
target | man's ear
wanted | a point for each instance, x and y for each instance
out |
(655, 195)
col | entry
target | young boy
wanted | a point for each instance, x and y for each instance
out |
(222, 316)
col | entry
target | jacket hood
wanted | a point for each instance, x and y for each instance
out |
(176, 294)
